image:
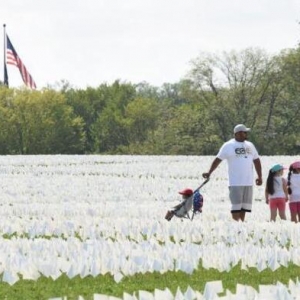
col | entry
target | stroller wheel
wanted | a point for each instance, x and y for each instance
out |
(169, 215)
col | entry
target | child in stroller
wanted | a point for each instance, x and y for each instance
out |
(190, 200)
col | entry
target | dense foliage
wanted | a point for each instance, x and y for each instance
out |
(191, 117)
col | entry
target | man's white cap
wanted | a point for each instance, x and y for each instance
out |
(241, 127)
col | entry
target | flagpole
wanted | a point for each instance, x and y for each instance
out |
(5, 75)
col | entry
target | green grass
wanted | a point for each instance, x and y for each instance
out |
(45, 288)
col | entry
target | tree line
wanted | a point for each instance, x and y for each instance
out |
(191, 117)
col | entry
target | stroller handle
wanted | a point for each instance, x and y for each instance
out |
(201, 185)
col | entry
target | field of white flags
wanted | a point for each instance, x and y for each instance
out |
(93, 215)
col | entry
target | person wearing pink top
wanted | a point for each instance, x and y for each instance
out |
(293, 184)
(276, 192)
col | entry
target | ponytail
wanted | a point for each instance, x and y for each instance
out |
(270, 183)
(289, 180)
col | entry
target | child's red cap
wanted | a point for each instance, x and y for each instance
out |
(186, 192)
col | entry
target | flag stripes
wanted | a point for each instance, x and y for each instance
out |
(12, 58)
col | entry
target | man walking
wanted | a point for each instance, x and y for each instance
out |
(240, 155)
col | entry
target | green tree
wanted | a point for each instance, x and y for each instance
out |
(283, 125)
(141, 116)
(44, 124)
(8, 132)
(87, 104)
(109, 131)
(236, 87)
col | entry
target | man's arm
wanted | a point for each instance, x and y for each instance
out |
(213, 166)
(257, 166)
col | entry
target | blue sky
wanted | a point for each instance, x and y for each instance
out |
(89, 42)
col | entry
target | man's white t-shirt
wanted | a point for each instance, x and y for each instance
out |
(239, 156)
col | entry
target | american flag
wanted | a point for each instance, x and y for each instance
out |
(12, 58)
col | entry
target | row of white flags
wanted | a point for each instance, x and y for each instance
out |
(212, 291)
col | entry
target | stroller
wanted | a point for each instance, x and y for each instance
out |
(194, 202)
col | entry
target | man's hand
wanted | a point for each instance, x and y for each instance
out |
(205, 175)
(258, 181)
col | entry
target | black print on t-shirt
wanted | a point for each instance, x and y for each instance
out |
(240, 151)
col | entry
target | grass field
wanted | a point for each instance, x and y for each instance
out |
(45, 288)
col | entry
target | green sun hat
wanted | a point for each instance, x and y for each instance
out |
(276, 168)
